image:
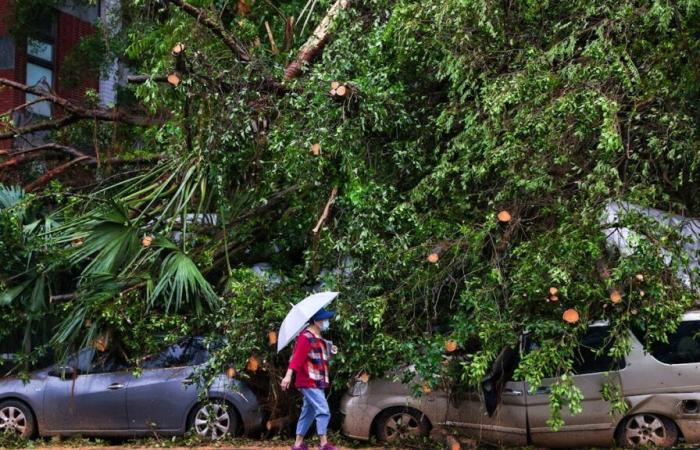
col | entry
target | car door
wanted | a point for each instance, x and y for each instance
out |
(594, 426)
(506, 426)
(497, 414)
(163, 394)
(94, 399)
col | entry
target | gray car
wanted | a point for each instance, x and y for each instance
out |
(661, 389)
(97, 395)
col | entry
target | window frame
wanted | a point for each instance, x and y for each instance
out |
(48, 38)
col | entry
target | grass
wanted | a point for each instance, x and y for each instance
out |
(11, 441)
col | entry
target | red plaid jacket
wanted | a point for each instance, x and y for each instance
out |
(310, 362)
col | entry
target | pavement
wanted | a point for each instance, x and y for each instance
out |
(262, 446)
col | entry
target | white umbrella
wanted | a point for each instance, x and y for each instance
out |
(300, 315)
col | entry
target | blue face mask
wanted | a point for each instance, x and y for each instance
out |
(325, 325)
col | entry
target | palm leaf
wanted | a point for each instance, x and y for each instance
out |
(181, 281)
(10, 196)
(110, 242)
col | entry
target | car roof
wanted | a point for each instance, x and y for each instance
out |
(688, 316)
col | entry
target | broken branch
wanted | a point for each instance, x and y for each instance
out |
(315, 42)
(326, 210)
(215, 26)
(53, 173)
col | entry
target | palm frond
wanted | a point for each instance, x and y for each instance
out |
(109, 241)
(10, 196)
(181, 281)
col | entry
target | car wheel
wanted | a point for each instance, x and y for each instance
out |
(16, 417)
(647, 429)
(400, 424)
(213, 420)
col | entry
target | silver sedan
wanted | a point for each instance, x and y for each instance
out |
(100, 396)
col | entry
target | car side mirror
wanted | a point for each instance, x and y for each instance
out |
(63, 372)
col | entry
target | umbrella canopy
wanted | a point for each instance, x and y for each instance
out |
(300, 315)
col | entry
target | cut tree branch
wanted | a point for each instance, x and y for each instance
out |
(34, 153)
(326, 211)
(74, 112)
(53, 173)
(41, 126)
(315, 42)
(215, 26)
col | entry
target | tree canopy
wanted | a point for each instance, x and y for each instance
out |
(389, 189)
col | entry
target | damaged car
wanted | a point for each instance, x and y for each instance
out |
(661, 388)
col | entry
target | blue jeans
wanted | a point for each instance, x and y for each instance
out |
(315, 407)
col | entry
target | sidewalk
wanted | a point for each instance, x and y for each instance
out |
(264, 446)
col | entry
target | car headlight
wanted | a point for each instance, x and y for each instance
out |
(358, 388)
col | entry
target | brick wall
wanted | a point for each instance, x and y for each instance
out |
(69, 32)
(8, 98)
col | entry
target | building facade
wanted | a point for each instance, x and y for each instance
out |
(39, 62)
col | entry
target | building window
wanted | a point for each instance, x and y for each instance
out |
(40, 72)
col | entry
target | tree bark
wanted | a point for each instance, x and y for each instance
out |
(215, 26)
(315, 42)
(326, 210)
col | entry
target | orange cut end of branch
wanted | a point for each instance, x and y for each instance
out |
(316, 149)
(570, 316)
(178, 48)
(174, 79)
(553, 291)
(504, 216)
(433, 258)
(451, 345)
(341, 91)
(639, 277)
(253, 364)
(615, 297)
(553, 298)
(335, 85)
(146, 241)
(364, 377)
(272, 337)
(230, 372)
(426, 388)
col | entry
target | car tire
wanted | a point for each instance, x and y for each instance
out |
(398, 424)
(647, 429)
(213, 420)
(18, 417)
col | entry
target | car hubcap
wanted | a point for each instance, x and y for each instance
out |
(402, 426)
(212, 421)
(12, 420)
(644, 429)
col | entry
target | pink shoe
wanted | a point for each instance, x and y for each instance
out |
(300, 447)
(328, 446)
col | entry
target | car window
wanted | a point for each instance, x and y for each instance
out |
(189, 352)
(588, 357)
(592, 355)
(683, 346)
(108, 362)
(82, 360)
